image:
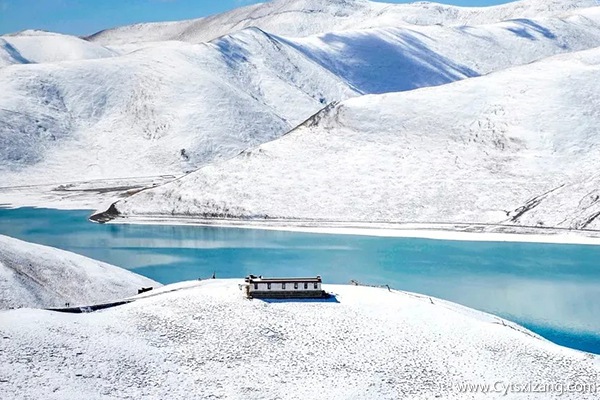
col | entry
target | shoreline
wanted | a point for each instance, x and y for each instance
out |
(88, 195)
(473, 232)
(451, 232)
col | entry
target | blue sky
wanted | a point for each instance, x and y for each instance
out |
(82, 17)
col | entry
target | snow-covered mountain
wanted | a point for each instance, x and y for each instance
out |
(36, 276)
(205, 340)
(171, 107)
(298, 18)
(519, 146)
(397, 59)
(42, 47)
(163, 109)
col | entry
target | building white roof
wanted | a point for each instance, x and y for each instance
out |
(258, 279)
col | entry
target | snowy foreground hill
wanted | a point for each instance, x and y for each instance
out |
(299, 18)
(37, 276)
(170, 107)
(517, 147)
(206, 340)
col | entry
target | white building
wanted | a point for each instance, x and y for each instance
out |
(259, 287)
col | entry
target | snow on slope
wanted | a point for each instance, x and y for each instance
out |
(132, 115)
(32, 275)
(298, 18)
(398, 59)
(159, 110)
(208, 341)
(485, 150)
(43, 47)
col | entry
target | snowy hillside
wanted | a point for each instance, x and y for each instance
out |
(399, 59)
(156, 111)
(172, 107)
(519, 147)
(206, 341)
(43, 47)
(298, 18)
(39, 276)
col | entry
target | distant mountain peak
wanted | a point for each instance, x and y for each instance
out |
(32, 32)
(300, 18)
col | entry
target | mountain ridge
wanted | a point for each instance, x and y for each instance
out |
(329, 16)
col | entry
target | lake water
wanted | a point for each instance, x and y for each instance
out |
(552, 289)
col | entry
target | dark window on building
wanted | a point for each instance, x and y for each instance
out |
(283, 285)
(256, 286)
(316, 285)
(305, 285)
(269, 286)
(296, 285)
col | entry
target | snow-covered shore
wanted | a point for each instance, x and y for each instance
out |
(459, 231)
(206, 340)
(33, 275)
(76, 195)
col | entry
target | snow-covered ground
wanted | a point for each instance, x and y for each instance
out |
(36, 276)
(299, 18)
(207, 341)
(517, 147)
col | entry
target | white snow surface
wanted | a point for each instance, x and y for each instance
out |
(45, 47)
(299, 18)
(33, 275)
(205, 340)
(515, 147)
(132, 115)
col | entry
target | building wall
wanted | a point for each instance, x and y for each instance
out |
(277, 287)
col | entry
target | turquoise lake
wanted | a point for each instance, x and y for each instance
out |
(551, 289)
